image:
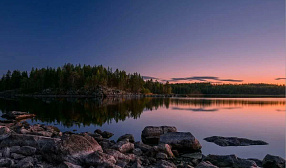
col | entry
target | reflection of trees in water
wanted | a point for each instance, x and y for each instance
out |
(99, 111)
(226, 102)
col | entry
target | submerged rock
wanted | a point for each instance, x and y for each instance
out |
(234, 141)
(182, 141)
(151, 134)
(271, 161)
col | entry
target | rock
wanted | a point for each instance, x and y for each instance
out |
(15, 149)
(205, 165)
(161, 155)
(27, 150)
(151, 134)
(6, 152)
(196, 155)
(26, 162)
(182, 141)
(137, 151)
(257, 161)
(106, 134)
(137, 164)
(17, 115)
(144, 147)
(98, 159)
(234, 141)
(69, 165)
(166, 149)
(97, 137)
(4, 132)
(17, 156)
(271, 161)
(118, 155)
(6, 162)
(229, 161)
(125, 137)
(123, 146)
(74, 147)
(165, 164)
(98, 131)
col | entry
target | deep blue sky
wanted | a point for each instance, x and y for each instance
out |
(229, 39)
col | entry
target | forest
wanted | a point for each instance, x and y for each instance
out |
(87, 79)
(79, 79)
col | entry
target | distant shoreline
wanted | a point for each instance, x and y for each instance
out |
(150, 95)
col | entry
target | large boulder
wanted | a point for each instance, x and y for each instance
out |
(151, 134)
(271, 161)
(182, 141)
(234, 141)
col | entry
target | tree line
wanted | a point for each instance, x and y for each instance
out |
(79, 78)
(208, 88)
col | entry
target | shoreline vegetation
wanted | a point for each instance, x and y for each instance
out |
(24, 145)
(97, 81)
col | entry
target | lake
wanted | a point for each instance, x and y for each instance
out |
(252, 118)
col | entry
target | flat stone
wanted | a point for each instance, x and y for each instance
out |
(234, 141)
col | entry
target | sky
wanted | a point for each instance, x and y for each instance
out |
(225, 41)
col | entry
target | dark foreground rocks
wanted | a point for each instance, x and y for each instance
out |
(40, 146)
(234, 141)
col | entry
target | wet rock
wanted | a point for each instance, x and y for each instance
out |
(271, 161)
(161, 155)
(165, 164)
(234, 141)
(151, 134)
(182, 141)
(123, 146)
(17, 115)
(128, 137)
(205, 165)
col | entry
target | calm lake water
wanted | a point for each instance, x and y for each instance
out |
(253, 118)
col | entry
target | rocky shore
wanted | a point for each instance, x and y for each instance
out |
(23, 146)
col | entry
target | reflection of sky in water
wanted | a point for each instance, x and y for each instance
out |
(257, 119)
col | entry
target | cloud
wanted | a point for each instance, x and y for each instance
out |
(149, 77)
(230, 80)
(280, 78)
(205, 78)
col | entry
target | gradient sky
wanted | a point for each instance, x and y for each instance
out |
(227, 39)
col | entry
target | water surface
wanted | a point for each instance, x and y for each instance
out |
(253, 118)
